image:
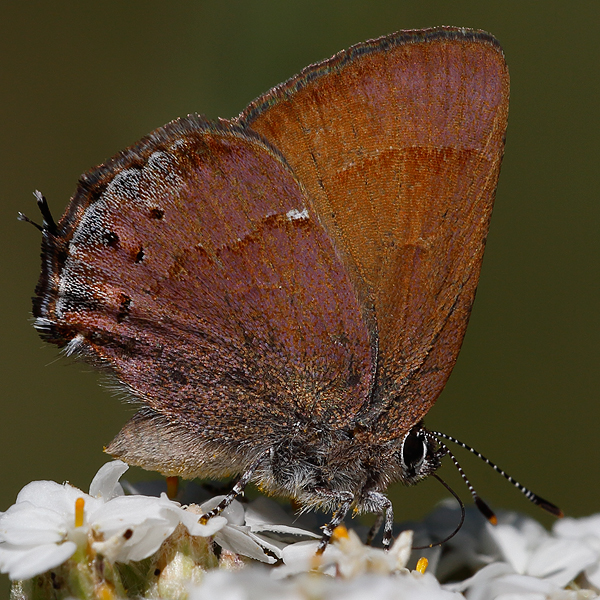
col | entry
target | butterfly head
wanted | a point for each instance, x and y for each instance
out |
(419, 456)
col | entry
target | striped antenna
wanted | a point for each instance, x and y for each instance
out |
(485, 510)
(538, 500)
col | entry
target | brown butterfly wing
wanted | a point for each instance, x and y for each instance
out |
(398, 142)
(190, 267)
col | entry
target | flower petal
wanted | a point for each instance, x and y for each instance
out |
(235, 538)
(193, 525)
(516, 539)
(134, 543)
(593, 574)
(578, 528)
(283, 529)
(480, 580)
(24, 525)
(234, 513)
(400, 552)
(301, 557)
(560, 561)
(106, 484)
(132, 510)
(24, 563)
(56, 497)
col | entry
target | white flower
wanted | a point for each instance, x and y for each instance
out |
(499, 580)
(531, 550)
(517, 541)
(585, 533)
(132, 528)
(530, 562)
(256, 584)
(346, 556)
(52, 524)
(49, 522)
(258, 531)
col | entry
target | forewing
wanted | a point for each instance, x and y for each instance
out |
(398, 142)
(190, 266)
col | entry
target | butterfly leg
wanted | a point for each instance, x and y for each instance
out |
(237, 489)
(374, 529)
(345, 499)
(383, 506)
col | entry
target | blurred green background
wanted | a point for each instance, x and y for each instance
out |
(80, 81)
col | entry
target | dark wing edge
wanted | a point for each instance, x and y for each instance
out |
(336, 63)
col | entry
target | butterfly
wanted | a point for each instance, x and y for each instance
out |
(284, 294)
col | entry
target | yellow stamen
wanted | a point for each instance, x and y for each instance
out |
(339, 533)
(103, 592)
(79, 504)
(422, 565)
(172, 486)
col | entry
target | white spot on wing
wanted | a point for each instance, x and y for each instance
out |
(294, 214)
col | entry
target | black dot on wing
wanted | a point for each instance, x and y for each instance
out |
(139, 257)
(179, 377)
(124, 308)
(111, 239)
(157, 213)
(353, 380)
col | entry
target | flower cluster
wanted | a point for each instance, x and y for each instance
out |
(59, 542)
(517, 558)
(50, 523)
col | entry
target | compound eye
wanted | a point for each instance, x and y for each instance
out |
(414, 451)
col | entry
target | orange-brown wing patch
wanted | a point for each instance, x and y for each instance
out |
(398, 143)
